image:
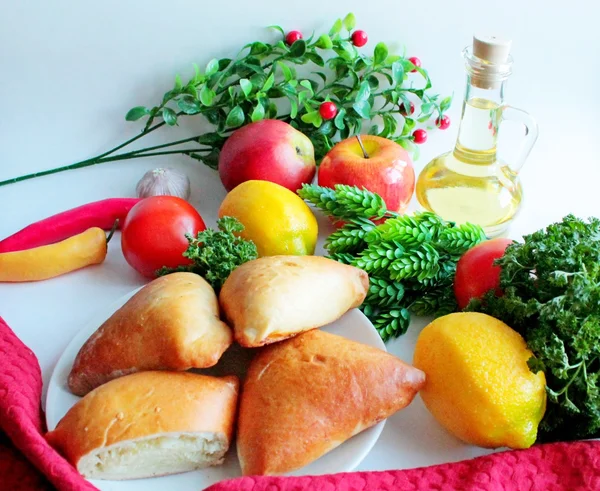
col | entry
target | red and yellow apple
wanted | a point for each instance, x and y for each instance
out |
(268, 150)
(387, 170)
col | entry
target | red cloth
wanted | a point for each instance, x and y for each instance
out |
(28, 463)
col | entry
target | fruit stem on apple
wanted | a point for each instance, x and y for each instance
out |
(362, 147)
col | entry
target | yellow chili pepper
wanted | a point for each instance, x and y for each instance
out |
(41, 263)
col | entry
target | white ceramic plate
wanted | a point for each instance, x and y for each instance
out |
(354, 325)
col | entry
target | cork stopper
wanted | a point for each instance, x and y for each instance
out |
(491, 49)
(488, 61)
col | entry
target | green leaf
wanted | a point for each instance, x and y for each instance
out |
(169, 116)
(235, 117)
(339, 119)
(224, 63)
(397, 72)
(380, 54)
(373, 82)
(363, 109)
(286, 71)
(293, 108)
(197, 74)
(324, 42)
(246, 86)
(258, 113)
(337, 27)
(191, 90)
(347, 51)
(313, 117)
(316, 59)
(136, 113)
(445, 104)
(178, 82)
(409, 125)
(211, 68)
(189, 105)
(268, 83)
(298, 48)
(206, 96)
(211, 139)
(258, 48)
(349, 21)
(278, 28)
(364, 92)
(321, 75)
(307, 85)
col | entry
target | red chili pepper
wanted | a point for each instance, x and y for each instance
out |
(61, 226)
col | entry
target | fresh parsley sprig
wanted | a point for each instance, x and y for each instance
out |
(411, 260)
(216, 253)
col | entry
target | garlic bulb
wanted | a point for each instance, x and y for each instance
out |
(164, 182)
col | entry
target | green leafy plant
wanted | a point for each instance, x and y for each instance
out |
(551, 284)
(216, 253)
(277, 81)
(411, 260)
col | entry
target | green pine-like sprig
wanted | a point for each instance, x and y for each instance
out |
(459, 239)
(344, 202)
(391, 323)
(377, 257)
(349, 238)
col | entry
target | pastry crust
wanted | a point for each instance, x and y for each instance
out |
(147, 424)
(276, 297)
(170, 324)
(307, 395)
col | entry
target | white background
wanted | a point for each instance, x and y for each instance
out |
(70, 70)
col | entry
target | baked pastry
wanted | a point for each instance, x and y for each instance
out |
(149, 424)
(170, 324)
(275, 297)
(306, 395)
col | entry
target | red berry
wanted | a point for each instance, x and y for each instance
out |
(415, 61)
(359, 38)
(443, 123)
(419, 136)
(328, 110)
(292, 37)
(403, 109)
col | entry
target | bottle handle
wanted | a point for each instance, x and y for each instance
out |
(510, 113)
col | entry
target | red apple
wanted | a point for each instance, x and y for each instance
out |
(387, 171)
(268, 150)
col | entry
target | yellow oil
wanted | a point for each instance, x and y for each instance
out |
(469, 184)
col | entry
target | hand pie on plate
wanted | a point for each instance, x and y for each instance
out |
(306, 395)
(276, 297)
(170, 324)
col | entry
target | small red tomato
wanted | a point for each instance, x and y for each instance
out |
(443, 123)
(403, 109)
(415, 61)
(327, 110)
(419, 136)
(359, 38)
(476, 273)
(292, 37)
(153, 233)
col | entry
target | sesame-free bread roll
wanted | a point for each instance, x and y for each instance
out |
(170, 324)
(307, 395)
(149, 424)
(272, 298)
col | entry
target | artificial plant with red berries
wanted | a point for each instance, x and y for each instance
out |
(338, 92)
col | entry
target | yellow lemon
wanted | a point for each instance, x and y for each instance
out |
(277, 220)
(478, 385)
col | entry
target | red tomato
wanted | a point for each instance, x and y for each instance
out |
(476, 273)
(153, 234)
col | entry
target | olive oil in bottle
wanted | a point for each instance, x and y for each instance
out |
(470, 184)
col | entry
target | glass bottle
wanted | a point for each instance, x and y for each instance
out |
(469, 183)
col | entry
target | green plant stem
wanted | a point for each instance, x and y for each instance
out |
(101, 160)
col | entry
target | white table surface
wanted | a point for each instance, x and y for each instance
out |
(70, 71)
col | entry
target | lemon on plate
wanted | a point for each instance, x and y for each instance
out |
(478, 385)
(277, 220)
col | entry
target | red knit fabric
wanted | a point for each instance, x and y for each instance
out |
(28, 463)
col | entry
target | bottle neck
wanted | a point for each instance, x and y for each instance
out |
(478, 131)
